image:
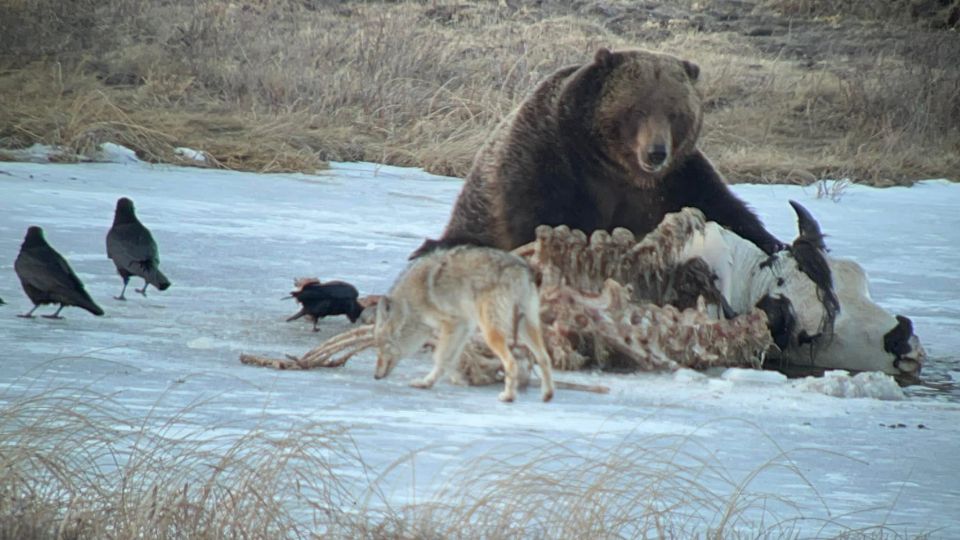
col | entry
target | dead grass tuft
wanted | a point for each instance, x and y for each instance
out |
(797, 90)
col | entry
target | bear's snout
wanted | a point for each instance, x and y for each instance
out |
(652, 143)
(657, 154)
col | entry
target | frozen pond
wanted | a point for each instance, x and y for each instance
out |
(232, 243)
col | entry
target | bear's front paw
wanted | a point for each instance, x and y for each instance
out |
(774, 246)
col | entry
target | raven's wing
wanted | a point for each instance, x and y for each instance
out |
(46, 270)
(132, 248)
(339, 290)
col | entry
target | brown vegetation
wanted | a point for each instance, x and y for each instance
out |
(77, 465)
(796, 89)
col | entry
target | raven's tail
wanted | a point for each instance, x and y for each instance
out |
(355, 311)
(87, 303)
(299, 314)
(156, 278)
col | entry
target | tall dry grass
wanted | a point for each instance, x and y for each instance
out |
(76, 464)
(82, 466)
(276, 85)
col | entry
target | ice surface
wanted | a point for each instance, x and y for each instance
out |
(232, 243)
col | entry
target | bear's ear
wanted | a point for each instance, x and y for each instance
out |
(693, 70)
(603, 57)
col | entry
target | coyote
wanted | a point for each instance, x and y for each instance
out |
(450, 293)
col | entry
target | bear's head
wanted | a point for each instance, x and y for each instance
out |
(642, 107)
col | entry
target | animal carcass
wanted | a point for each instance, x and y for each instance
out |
(819, 311)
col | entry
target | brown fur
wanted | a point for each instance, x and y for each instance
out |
(450, 293)
(582, 151)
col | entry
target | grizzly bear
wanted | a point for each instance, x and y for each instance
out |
(612, 143)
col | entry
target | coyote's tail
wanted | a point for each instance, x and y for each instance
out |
(526, 305)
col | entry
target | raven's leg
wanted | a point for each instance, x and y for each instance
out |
(126, 279)
(55, 315)
(143, 291)
(29, 314)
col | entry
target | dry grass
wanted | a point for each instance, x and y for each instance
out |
(888, 120)
(84, 467)
(280, 85)
(937, 14)
(75, 464)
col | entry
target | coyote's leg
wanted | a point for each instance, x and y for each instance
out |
(496, 339)
(453, 338)
(498, 344)
(534, 341)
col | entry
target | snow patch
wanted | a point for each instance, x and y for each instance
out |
(202, 343)
(190, 154)
(753, 376)
(38, 153)
(44, 153)
(839, 383)
(116, 153)
(689, 376)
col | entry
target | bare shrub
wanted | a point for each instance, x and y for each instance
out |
(832, 189)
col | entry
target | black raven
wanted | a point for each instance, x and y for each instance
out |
(133, 250)
(317, 300)
(47, 278)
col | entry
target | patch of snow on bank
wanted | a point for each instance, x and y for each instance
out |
(44, 153)
(190, 154)
(115, 153)
(37, 153)
(839, 383)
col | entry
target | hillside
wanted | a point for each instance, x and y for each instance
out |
(796, 90)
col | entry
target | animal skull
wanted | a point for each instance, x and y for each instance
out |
(819, 307)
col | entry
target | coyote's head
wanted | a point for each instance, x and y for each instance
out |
(397, 333)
